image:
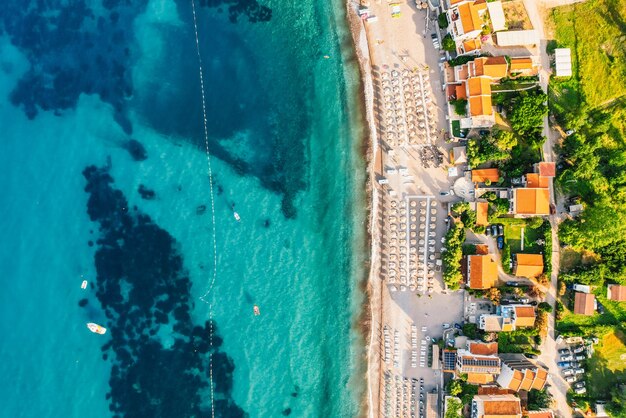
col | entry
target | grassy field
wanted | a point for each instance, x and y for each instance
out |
(608, 365)
(594, 30)
(513, 235)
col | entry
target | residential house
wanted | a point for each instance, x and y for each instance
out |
(519, 373)
(528, 265)
(616, 292)
(508, 318)
(546, 169)
(482, 272)
(480, 105)
(458, 155)
(494, 406)
(493, 67)
(479, 361)
(485, 174)
(534, 199)
(544, 413)
(465, 19)
(524, 66)
(482, 213)
(584, 303)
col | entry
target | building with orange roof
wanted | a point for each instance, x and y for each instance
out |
(482, 348)
(496, 406)
(524, 316)
(479, 361)
(523, 66)
(537, 181)
(470, 46)
(531, 201)
(546, 169)
(482, 272)
(492, 67)
(482, 213)
(508, 318)
(584, 303)
(546, 413)
(483, 174)
(528, 265)
(519, 373)
(465, 20)
(616, 292)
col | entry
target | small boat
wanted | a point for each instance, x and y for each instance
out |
(257, 311)
(83, 285)
(237, 217)
(97, 329)
(326, 56)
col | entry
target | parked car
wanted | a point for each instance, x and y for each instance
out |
(533, 303)
(580, 357)
(501, 230)
(579, 370)
(564, 351)
(559, 339)
(524, 300)
(567, 357)
(494, 230)
(531, 356)
(505, 302)
(579, 385)
(516, 284)
(570, 379)
(580, 391)
(578, 349)
(446, 326)
(600, 309)
(444, 193)
(488, 231)
(568, 372)
(458, 326)
(569, 132)
(500, 242)
(433, 37)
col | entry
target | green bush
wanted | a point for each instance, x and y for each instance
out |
(448, 43)
(506, 258)
(451, 256)
(443, 20)
(460, 106)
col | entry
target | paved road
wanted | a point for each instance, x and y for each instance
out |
(558, 387)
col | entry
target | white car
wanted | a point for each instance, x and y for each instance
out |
(446, 326)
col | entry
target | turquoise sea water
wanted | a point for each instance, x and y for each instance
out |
(76, 84)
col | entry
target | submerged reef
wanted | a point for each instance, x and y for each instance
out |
(159, 357)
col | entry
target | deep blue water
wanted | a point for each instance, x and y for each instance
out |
(104, 178)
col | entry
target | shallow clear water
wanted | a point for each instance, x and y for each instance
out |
(75, 86)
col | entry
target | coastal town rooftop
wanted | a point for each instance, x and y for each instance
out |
(528, 265)
(584, 303)
(482, 271)
(616, 292)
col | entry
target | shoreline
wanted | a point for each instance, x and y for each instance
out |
(367, 320)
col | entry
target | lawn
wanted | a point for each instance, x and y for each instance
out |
(513, 235)
(592, 30)
(608, 365)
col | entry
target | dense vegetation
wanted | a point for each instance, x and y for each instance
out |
(591, 107)
(451, 257)
(453, 408)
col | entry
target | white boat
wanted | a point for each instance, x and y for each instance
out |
(237, 217)
(257, 311)
(83, 285)
(95, 328)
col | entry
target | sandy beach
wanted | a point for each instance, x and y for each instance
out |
(404, 44)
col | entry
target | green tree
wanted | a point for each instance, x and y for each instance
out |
(539, 399)
(527, 111)
(617, 404)
(470, 331)
(448, 43)
(506, 257)
(505, 140)
(453, 408)
(442, 20)
(535, 223)
(544, 307)
(455, 387)
(460, 106)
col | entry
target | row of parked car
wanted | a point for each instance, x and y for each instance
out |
(570, 362)
(496, 231)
